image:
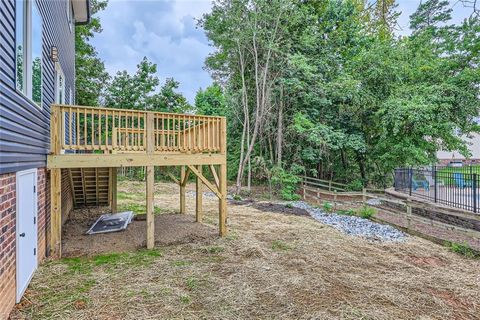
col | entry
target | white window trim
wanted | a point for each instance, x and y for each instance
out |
(27, 92)
(59, 72)
(70, 19)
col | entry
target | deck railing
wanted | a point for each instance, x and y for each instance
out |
(109, 130)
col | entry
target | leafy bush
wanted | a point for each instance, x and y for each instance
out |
(237, 197)
(366, 212)
(287, 183)
(355, 185)
(327, 206)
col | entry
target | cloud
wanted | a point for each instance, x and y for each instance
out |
(163, 31)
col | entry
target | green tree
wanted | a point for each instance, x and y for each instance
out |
(139, 91)
(211, 101)
(90, 75)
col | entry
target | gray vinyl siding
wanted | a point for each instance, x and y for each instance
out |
(25, 127)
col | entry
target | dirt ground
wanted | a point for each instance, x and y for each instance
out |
(270, 266)
(169, 229)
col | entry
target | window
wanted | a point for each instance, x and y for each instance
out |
(28, 45)
(69, 15)
(59, 84)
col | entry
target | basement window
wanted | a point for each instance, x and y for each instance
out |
(28, 50)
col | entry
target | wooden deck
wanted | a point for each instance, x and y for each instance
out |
(90, 137)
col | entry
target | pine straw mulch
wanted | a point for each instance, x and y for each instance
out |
(270, 266)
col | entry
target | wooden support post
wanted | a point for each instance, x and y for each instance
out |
(56, 131)
(182, 189)
(304, 190)
(364, 196)
(222, 206)
(150, 179)
(409, 214)
(222, 203)
(150, 216)
(335, 200)
(113, 191)
(56, 213)
(199, 194)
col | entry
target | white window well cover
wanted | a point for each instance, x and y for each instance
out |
(111, 222)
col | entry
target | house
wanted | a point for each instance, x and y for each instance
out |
(37, 69)
(455, 158)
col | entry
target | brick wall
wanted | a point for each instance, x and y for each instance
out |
(7, 243)
(43, 200)
(7, 229)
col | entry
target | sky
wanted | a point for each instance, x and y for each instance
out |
(165, 31)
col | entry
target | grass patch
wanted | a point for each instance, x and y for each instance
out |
(185, 299)
(85, 265)
(138, 208)
(279, 245)
(130, 196)
(181, 263)
(191, 283)
(349, 212)
(213, 249)
(463, 249)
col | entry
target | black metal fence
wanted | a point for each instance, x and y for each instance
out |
(452, 186)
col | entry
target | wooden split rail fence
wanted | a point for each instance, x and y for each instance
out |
(319, 190)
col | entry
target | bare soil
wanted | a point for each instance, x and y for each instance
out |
(271, 207)
(169, 229)
(269, 266)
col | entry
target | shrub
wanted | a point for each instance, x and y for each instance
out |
(355, 185)
(286, 182)
(237, 197)
(366, 212)
(327, 206)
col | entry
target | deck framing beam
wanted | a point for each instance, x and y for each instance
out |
(131, 160)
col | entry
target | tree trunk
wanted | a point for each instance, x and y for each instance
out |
(280, 130)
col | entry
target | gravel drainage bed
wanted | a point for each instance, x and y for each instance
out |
(354, 226)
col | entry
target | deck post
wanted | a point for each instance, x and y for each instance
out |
(199, 196)
(150, 216)
(56, 213)
(113, 191)
(182, 189)
(222, 205)
(150, 179)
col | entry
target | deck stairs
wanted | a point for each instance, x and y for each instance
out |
(90, 186)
